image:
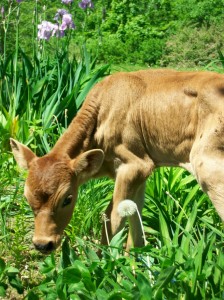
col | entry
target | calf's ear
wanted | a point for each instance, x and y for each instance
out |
(88, 163)
(23, 155)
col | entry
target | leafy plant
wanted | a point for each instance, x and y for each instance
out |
(8, 277)
(41, 94)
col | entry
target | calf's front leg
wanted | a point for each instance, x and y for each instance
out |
(209, 170)
(129, 184)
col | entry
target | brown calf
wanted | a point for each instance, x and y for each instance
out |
(129, 124)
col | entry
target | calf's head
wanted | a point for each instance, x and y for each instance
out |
(51, 189)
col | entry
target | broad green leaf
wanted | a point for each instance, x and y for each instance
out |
(187, 180)
(59, 288)
(144, 287)
(38, 86)
(65, 254)
(11, 271)
(99, 73)
(127, 284)
(71, 275)
(117, 240)
(32, 296)
(174, 178)
(101, 294)
(86, 276)
(2, 290)
(17, 284)
(2, 266)
(165, 235)
(164, 278)
(128, 272)
(191, 218)
(91, 254)
(27, 64)
(48, 265)
(115, 296)
(51, 295)
(82, 268)
(116, 243)
(198, 265)
(75, 287)
(74, 297)
(219, 268)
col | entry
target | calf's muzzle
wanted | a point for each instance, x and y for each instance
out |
(47, 236)
(45, 247)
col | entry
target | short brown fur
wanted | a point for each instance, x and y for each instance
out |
(130, 124)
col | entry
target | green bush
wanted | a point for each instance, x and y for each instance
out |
(193, 47)
(148, 52)
(110, 49)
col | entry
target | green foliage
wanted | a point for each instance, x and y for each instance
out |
(187, 48)
(183, 230)
(200, 13)
(143, 32)
(182, 224)
(37, 96)
(159, 32)
(89, 277)
(41, 93)
(9, 277)
(126, 36)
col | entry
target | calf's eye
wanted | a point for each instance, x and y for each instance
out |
(67, 201)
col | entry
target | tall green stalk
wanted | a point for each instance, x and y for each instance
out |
(5, 27)
(15, 64)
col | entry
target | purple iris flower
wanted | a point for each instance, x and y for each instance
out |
(66, 1)
(67, 22)
(2, 11)
(84, 4)
(46, 30)
(60, 13)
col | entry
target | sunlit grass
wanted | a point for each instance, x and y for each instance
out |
(184, 234)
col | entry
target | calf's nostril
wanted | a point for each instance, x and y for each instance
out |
(50, 246)
(44, 247)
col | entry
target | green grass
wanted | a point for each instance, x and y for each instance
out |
(185, 246)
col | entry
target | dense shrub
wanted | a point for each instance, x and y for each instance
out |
(159, 32)
(113, 50)
(193, 47)
(110, 49)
